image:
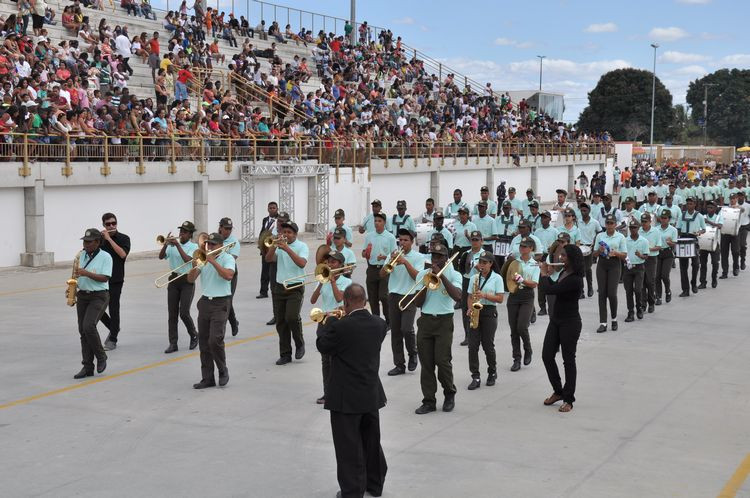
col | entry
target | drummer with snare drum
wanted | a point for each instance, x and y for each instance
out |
(690, 225)
(730, 243)
(713, 219)
(505, 227)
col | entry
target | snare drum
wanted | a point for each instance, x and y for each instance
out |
(556, 219)
(709, 241)
(585, 250)
(502, 246)
(686, 248)
(731, 217)
(423, 230)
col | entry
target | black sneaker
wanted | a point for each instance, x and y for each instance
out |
(527, 358)
(235, 328)
(516, 366)
(204, 384)
(84, 373)
(262, 295)
(723, 276)
(614, 325)
(465, 342)
(685, 293)
(658, 301)
(491, 380)
(475, 384)
(630, 317)
(533, 317)
(171, 349)
(272, 321)
(300, 352)
(224, 378)
(602, 328)
(542, 312)
(650, 308)
(284, 360)
(714, 283)
(413, 361)
(591, 292)
(695, 289)
(450, 402)
(668, 297)
(702, 285)
(396, 371)
(425, 408)
(639, 314)
(193, 342)
(736, 272)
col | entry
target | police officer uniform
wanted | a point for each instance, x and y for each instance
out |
(91, 301)
(690, 225)
(665, 259)
(180, 292)
(608, 268)
(637, 249)
(380, 246)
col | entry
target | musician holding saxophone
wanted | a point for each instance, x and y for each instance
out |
(521, 303)
(92, 273)
(402, 267)
(487, 291)
(331, 294)
(213, 308)
(180, 292)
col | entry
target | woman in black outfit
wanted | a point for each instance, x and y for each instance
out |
(564, 325)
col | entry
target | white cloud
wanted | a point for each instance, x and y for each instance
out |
(507, 42)
(694, 2)
(403, 20)
(693, 70)
(607, 27)
(668, 34)
(671, 56)
(736, 60)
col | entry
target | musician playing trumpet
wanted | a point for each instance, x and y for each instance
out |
(404, 266)
(331, 294)
(488, 290)
(180, 292)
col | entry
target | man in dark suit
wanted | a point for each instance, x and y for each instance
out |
(268, 226)
(355, 395)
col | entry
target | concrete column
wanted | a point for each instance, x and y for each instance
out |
(534, 181)
(490, 181)
(33, 201)
(435, 187)
(571, 180)
(312, 205)
(200, 205)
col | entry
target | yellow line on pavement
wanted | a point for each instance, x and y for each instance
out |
(62, 286)
(738, 478)
(117, 375)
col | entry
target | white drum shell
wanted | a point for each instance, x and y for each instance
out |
(731, 225)
(709, 241)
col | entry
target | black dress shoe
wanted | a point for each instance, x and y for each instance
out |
(714, 283)
(321, 400)
(450, 402)
(84, 373)
(630, 317)
(101, 365)
(262, 295)
(475, 384)
(465, 342)
(582, 296)
(413, 360)
(193, 342)
(650, 308)
(491, 380)
(224, 378)
(542, 312)
(527, 358)
(396, 371)
(685, 294)
(425, 408)
(702, 286)
(742, 266)
(300, 352)
(658, 301)
(591, 292)
(204, 384)
(235, 328)
(735, 272)
(272, 321)
(723, 276)
(171, 349)
(284, 360)
(516, 366)
(639, 314)
(602, 328)
(695, 289)
(668, 297)
(614, 325)
(533, 317)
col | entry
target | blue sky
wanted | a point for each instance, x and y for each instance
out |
(498, 41)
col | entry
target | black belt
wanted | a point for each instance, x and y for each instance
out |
(91, 292)
(489, 307)
(436, 316)
(636, 265)
(216, 297)
(374, 266)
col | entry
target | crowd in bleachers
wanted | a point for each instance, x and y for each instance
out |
(372, 90)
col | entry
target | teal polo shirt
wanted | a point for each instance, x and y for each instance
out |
(445, 232)
(575, 235)
(235, 249)
(382, 244)
(369, 223)
(640, 245)
(530, 270)
(667, 233)
(349, 257)
(691, 223)
(438, 302)
(175, 260)
(676, 213)
(491, 208)
(460, 239)
(517, 204)
(474, 260)
(652, 208)
(515, 245)
(493, 284)
(212, 284)
(626, 192)
(405, 221)
(400, 282)
(547, 236)
(506, 225)
(101, 264)
(587, 230)
(653, 237)
(286, 268)
(484, 225)
(346, 229)
(615, 241)
(452, 209)
(327, 301)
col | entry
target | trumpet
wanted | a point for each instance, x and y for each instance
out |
(476, 305)
(317, 315)
(162, 239)
(391, 264)
(431, 281)
(272, 241)
(198, 255)
(322, 275)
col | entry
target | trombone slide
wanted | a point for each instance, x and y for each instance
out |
(430, 281)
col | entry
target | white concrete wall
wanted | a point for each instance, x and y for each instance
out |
(414, 188)
(13, 241)
(143, 212)
(351, 195)
(469, 181)
(225, 200)
(513, 177)
(550, 179)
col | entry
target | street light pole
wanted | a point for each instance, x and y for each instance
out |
(653, 99)
(541, 58)
(705, 111)
(353, 20)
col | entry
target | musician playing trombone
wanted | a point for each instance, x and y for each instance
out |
(290, 256)
(404, 266)
(213, 309)
(180, 292)
(435, 330)
(331, 294)
(490, 291)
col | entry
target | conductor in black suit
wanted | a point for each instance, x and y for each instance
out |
(268, 225)
(355, 395)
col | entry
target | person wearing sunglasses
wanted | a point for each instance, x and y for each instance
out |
(117, 245)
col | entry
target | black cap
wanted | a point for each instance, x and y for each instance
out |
(596, 194)
(283, 215)
(524, 223)
(629, 199)
(438, 214)
(376, 202)
(512, 189)
(610, 218)
(546, 214)
(534, 204)
(407, 232)
(439, 248)
(290, 224)
(652, 192)
(337, 256)
(476, 234)
(400, 204)
(215, 238)
(91, 234)
(339, 232)
(188, 226)
(506, 204)
(607, 196)
(569, 211)
(482, 203)
(484, 189)
(486, 256)
(339, 213)
(710, 203)
(380, 215)
(463, 209)
(645, 217)
(563, 236)
(584, 205)
(561, 191)
(529, 190)
(634, 223)
(528, 242)
(740, 193)
(666, 213)
(226, 223)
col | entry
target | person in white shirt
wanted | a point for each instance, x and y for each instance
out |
(122, 47)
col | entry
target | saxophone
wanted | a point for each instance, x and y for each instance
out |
(476, 305)
(72, 282)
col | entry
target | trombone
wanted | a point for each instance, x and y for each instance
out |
(391, 264)
(317, 315)
(322, 274)
(198, 255)
(430, 281)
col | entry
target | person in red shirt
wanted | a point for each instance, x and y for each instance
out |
(153, 55)
(180, 85)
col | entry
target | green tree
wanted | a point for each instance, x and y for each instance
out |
(621, 104)
(728, 105)
(686, 132)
